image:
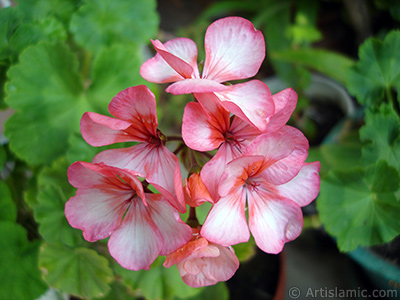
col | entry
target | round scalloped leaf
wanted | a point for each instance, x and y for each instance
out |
(378, 70)
(100, 23)
(45, 90)
(80, 271)
(382, 131)
(359, 206)
(47, 93)
(20, 277)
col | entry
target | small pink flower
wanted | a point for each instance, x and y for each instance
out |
(111, 202)
(136, 120)
(276, 182)
(202, 263)
(234, 50)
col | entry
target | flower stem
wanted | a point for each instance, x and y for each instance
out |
(192, 220)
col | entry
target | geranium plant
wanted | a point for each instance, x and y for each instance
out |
(108, 204)
(258, 158)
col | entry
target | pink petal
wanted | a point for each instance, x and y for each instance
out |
(303, 188)
(251, 101)
(175, 233)
(197, 131)
(273, 146)
(196, 191)
(224, 266)
(82, 175)
(226, 223)
(101, 199)
(212, 171)
(136, 105)
(288, 167)
(186, 251)
(97, 212)
(208, 266)
(273, 221)
(285, 103)
(180, 66)
(158, 70)
(98, 130)
(234, 50)
(189, 86)
(86, 175)
(238, 171)
(194, 280)
(137, 242)
(159, 165)
(243, 132)
(285, 150)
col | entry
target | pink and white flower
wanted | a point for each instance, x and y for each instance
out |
(136, 121)
(202, 263)
(111, 202)
(207, 127)
(234, 50)
(274, 178)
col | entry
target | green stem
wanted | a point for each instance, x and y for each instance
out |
(389, 95)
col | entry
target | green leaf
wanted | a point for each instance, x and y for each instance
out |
(49, 213)
(329, 63)
(114, 69)
(47, 29)
(373, 78)
(382, 132)
(10, 19)
(119, 292)
(8, 209)
(359, 205)
(20, 277)
(158, 282)
(218, 291)
(53, 191)
(45, 89)
(80, 271)
(38, 9)
(336, 156)
(101, 23)
(48, 95)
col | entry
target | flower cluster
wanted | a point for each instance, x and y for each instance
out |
(258, 168)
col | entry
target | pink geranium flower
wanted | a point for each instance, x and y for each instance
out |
(111, 202)
(202, 263)
(209, 126)
(276, 182)
(136, 120)
(234, 50)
